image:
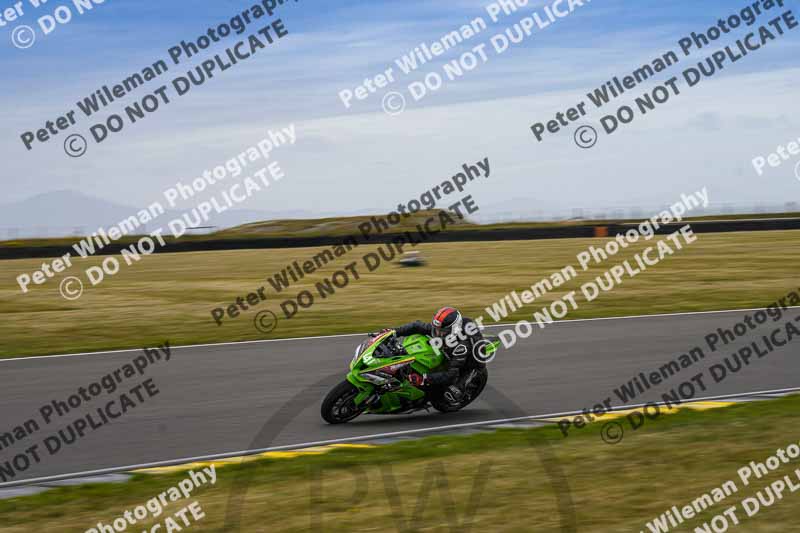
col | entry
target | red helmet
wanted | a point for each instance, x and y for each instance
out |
(447, 320)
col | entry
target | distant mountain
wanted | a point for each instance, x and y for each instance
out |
(66, 213)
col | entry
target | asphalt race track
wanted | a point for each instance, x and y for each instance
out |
(233, 397)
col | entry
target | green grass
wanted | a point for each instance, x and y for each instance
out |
(170, 296)
(670, 461)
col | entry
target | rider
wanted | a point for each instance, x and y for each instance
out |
(458, 349)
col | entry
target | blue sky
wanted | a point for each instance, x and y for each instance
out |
(706, 137)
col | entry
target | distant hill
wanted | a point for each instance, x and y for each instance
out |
(69, 213)
(334, 226)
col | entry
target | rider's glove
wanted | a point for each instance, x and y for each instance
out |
(379, 333)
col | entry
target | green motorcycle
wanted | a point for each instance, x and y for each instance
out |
(379, 379)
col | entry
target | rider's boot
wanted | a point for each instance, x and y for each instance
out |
(454, 395)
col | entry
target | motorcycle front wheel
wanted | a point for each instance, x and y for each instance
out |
(339, 405)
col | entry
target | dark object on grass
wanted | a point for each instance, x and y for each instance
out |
(412, 259)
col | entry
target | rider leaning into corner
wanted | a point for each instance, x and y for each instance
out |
(459, 336)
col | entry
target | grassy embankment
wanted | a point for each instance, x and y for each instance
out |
(344, 226)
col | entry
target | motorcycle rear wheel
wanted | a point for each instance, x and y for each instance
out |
(338, 406)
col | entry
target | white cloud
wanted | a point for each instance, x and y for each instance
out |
(346, 161)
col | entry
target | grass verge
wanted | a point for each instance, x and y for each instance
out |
(504, 478)
(170, 296)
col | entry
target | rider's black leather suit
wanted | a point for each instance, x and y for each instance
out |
(459, 354)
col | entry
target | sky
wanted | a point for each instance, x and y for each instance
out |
(363, 159)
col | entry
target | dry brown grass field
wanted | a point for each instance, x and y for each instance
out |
(170, 296)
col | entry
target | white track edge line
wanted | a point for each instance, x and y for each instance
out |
(236, 343)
